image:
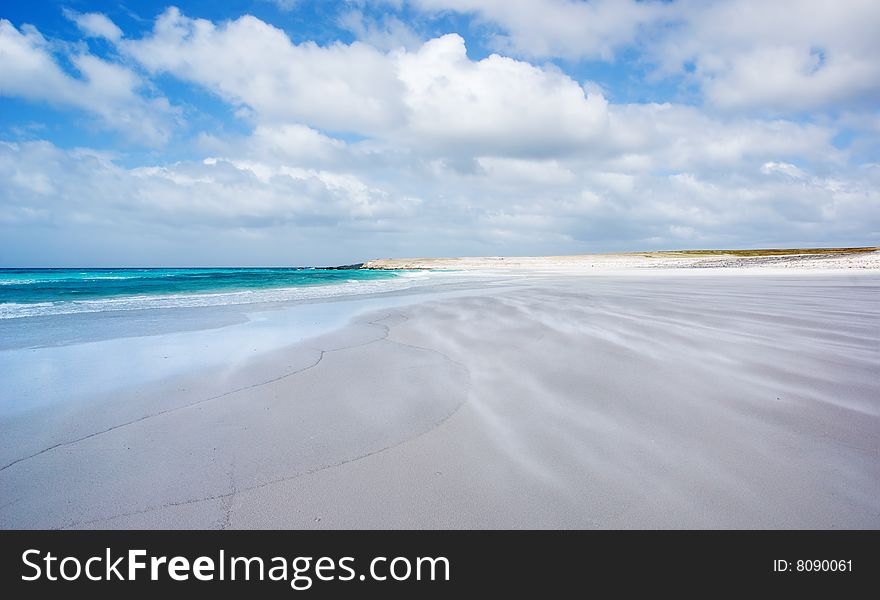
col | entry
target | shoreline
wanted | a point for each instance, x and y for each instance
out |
(536, 400)
(819, 259)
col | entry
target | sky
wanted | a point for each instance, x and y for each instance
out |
(313, 132)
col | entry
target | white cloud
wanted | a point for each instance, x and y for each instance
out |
(95, 25)
(249, 62)
(779, 56)
(565, 28)
(495, 105)
(789, 78)
(434, 96)
(436, 101)
(513, 173)
(786, 55)
(503, 206)
(669, 136)
(104, 89)
(285, 5)
(387, 33)
(294, 144)
(787, 169)
(222, 192)
(420, 149)
(519, 150)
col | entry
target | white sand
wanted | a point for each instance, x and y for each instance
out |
(537, 401)
(593, 263)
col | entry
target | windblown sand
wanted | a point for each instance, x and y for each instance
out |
(560, 401)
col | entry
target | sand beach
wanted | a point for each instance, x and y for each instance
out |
(605, 391)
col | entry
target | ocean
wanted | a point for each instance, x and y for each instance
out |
(38, 292)
(70, 334)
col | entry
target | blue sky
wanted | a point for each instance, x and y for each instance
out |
(313, 132)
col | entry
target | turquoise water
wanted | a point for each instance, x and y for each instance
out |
(33, 292)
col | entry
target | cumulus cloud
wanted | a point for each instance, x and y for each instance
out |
(51, 183)
(95, 25)
(386, 33)
(436, 100)
(783, 168)
(105, 89)
(363, 149)
(434, 93)
(249, 62)
(778, 56)
(496, 105)
(564, 28)
(789, 55)
(240, 210)
(504, 205)
(676, 137)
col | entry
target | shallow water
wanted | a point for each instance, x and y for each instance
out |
(38, 292)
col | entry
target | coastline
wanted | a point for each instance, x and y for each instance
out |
(816, 259)
(670, 398)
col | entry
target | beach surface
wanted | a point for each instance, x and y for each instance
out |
(821, 259)
(663, 397)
